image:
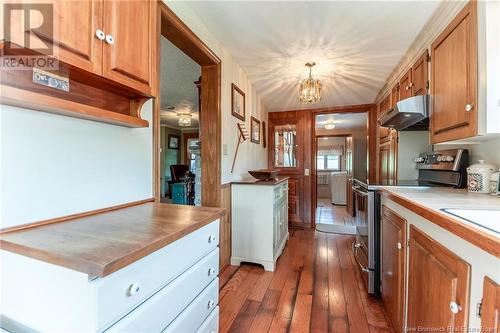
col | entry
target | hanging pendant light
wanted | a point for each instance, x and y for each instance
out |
(310, 89)
(184, 119)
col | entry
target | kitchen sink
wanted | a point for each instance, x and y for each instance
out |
(485, 218)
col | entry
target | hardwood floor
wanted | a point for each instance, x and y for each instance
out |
(326, 213)
(316, 288)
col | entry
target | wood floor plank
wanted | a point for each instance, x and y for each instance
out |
(286, 303)
(355, 310)
(266, 311)
(319, 314)
(245, 317)
(226, 274)
(301, 314)
(260, 289)
(337, 319)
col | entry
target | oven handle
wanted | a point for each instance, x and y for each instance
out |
(355, 190)
(355, 246)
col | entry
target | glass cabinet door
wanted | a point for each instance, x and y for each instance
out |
(285, 146)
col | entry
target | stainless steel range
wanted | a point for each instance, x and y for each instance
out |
(445, 168)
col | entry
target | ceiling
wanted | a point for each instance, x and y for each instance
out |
(177, 75)
(355, 44)
(342, 120)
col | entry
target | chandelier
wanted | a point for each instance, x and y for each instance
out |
(329, 125)
(310, 89)
(184, 119)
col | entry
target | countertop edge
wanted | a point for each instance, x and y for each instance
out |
(470, 234)
(93, 269)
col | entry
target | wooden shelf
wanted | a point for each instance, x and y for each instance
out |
(37, 101)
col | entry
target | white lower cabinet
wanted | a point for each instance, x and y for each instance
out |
(259, 222)
(149, 295)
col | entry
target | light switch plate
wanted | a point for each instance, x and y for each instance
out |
(306, 172)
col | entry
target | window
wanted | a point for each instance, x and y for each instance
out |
(328, 162)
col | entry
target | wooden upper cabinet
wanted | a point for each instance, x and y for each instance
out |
(128, 56)
(393, 266)
(394, 95)
(384, 132)
(405, 85)
(490, 308)
(419, 75)
(438, 287)
(454, 78)
(83, 50)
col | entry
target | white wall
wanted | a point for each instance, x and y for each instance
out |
(51, 165)
(488, 150)
(250, 155)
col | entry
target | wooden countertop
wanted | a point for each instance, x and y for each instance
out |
(103, 243)
(272, 182)
(428, 202)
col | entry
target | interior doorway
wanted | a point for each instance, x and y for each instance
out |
(340, 149)
(204, 111)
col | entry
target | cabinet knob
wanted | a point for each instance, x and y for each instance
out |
(455, 308)
(469, 107)
(100, 34)
(211, 271)
(407, 88)
(399, 246)
(210, 304)
(212, 239)
(110, 40)
(133, 289)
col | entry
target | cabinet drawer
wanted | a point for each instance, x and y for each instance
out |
(211, 324)
(163, 307)
(123, 290)
(192, 318)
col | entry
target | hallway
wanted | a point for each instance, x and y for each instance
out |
(315, 288)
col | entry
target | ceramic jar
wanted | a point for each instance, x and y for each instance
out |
(494, 182)
(479, 177)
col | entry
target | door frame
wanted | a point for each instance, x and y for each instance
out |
(364, 108)
(178, 33)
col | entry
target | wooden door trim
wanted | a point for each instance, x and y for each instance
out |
(171, 27)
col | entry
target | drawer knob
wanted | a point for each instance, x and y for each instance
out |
(212, 239)
(468, 107)
(455, 308)
(100, 34)
(133, 289)
(211, 271)
(110, 40)
(210, 304)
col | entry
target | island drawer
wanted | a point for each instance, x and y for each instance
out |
(163, 307)
(195, 314)
(120, 292)
(211, 324)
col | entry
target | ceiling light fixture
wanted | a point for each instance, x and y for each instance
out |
(184, 119)
(310, 89)
(329, 125)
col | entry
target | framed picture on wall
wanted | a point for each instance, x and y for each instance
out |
(254, 130)
(264, 136)
(173, 141)
(237, 102)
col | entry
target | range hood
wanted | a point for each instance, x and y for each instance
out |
(410, 113)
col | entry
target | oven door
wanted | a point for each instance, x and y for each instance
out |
(364, 246)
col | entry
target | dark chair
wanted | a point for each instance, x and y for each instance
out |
(181, 173)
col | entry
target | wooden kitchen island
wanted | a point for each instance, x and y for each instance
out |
(149, 267)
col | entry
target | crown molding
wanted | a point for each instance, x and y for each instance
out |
(441, 17)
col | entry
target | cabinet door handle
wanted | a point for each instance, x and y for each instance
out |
(100, 34)
(455, 308)
(110, 40)
(469, 107)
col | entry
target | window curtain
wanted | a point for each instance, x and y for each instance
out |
(331, 150)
